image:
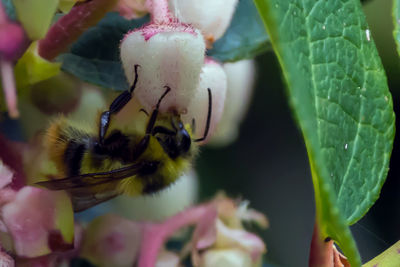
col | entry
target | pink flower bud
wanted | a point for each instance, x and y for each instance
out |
(210, 16)
(212, 76)
(112, 241)
(169, 55)
(240, 87)
(39, 222)
(12, 41)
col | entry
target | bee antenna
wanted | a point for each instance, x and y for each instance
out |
(136, 79)
(208, 118)
(154, 114)
(163, 95)
(144, 111)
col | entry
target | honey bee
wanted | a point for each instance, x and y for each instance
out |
(104, 163)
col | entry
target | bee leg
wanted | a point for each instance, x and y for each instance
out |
(115, 107)
(141, 147)
(154, 114)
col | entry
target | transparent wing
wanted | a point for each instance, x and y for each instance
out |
(83, 189)
(92, 179)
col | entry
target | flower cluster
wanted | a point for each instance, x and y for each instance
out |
(36, 223)
(37, 226)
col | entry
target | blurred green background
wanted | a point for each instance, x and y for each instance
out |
(268, 164)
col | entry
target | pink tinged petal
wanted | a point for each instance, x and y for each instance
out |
(154, 235)
(6, 260)
(226, 258)
(169, 55)
(10, 91)
(212, 76)
(39, 221)
(112, 241)
(6, 175)
(230, 238)
(210, 16)
(251, 215)
(204, 235)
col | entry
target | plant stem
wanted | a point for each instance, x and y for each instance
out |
(160, 13)
(69, 27)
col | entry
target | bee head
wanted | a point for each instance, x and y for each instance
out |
(176, 141)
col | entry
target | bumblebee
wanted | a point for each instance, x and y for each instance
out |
(98, 166)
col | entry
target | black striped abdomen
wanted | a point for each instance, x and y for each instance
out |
(73, 156)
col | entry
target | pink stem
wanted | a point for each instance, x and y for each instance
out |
(69, 27)
(10, 91)
(154, 235)
(160, 13)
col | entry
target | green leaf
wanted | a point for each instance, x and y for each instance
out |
(95, 56)
(338, 90)
(245, 38)
(388, 258)
(36, 16)
(396, 22)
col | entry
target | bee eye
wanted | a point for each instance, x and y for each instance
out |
(185, 141)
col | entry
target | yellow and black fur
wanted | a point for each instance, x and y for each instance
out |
(101, 165)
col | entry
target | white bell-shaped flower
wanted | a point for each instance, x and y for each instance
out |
(212, 17)
(169, 55)
(240, 87)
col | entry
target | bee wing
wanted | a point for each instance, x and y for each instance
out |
(91, 179)
(82, 188)
(82, 198)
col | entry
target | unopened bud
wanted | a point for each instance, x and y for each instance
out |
(212, 17)
(240, 77)
(168, 55)
(111, 241)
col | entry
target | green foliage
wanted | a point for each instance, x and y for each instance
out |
(388, 258)
(35, 16)
(338, 90)
(95, 56)
(245, 38)
(396, 23)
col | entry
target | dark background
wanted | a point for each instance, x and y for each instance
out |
(268, 163)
